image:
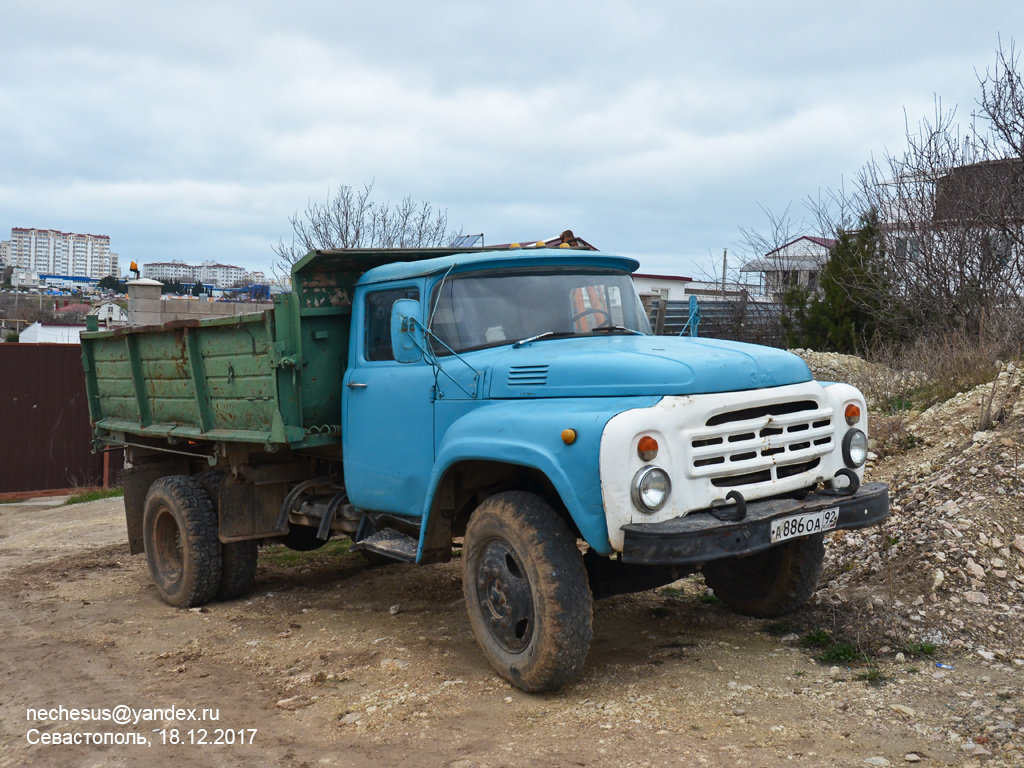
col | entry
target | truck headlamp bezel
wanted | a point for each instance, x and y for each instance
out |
(647, 484)
(855, 448)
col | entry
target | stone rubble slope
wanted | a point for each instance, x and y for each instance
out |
(947, 568)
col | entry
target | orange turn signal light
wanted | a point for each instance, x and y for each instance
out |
(647, 448)
(852, 414)
(568, 436)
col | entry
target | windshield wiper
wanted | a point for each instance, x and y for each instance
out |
(520, 343)
(618, 328)
(546, 334)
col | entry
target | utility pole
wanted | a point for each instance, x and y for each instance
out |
(725, 262)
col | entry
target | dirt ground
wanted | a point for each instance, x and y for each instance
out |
(335, 663)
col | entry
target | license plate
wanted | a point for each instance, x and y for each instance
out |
(804, 525)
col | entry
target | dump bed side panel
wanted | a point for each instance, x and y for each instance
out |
(234, 379)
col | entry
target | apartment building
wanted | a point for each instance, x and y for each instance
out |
(207, 273)
(52, 252)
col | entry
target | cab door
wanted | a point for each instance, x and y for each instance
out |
(388, 432)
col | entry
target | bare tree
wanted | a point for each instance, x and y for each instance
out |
(350, 219)
(950, 208)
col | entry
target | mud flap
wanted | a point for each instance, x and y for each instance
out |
(136, 481)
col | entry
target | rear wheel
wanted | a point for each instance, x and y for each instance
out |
(179, 528)
(526, 591)
(238, 570)
(771, 583)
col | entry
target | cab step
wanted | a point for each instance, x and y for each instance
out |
(390, 543)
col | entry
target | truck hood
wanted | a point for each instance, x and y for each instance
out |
(610, 366)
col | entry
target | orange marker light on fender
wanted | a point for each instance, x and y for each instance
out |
(852, 414)
(568, 436)
(647, 448)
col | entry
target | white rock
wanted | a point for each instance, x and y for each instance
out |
(986, 655)
(937, 579)
(912, 757)
(976, 598)
(876, 761)
(1018, 543)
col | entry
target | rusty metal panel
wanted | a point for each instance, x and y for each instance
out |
(45, 436)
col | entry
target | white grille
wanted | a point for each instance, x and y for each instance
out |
(761, 444)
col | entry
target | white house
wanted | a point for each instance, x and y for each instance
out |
(40, 333)
(110, 313)
(675, 285)
(797, 263)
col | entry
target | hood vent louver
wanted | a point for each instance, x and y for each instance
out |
(528, 375)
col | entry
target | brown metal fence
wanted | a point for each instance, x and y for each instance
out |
(45, 435)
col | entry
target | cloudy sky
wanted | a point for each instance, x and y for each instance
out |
(655, 129)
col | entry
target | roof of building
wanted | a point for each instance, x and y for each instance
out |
(824, 242)
(777, 261)
(680, 278)
(75, 308)
(799, 263)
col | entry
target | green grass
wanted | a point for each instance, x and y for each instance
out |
(830, 652)
(96, 495)
(840, 653)
(288, 558)
(918, 650)
(710, 599)
(872, 675)
(817, 638)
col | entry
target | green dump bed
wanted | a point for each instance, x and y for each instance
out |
(272, 377)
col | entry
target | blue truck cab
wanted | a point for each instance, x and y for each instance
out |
(525, 387)
(512, 402)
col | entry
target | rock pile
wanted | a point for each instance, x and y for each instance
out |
(947, 569)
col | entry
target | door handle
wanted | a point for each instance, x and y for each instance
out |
(356, 385)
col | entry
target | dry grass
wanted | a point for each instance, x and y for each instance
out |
(931, 370)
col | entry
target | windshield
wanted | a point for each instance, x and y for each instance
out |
(488, 309)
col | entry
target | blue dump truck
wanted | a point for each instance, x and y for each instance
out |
(514, 399)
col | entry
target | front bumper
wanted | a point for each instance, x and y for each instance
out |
(700, 537)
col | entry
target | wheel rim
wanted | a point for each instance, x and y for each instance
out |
(169, 553)
(504, 594)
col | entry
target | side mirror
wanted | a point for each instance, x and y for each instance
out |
(406, 332)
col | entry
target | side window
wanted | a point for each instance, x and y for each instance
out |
(377, 345)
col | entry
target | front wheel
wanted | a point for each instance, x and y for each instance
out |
(526, 591)
(179, 529)
(771, 583)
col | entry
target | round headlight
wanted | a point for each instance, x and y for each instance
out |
(651, 489)
(855, 448)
